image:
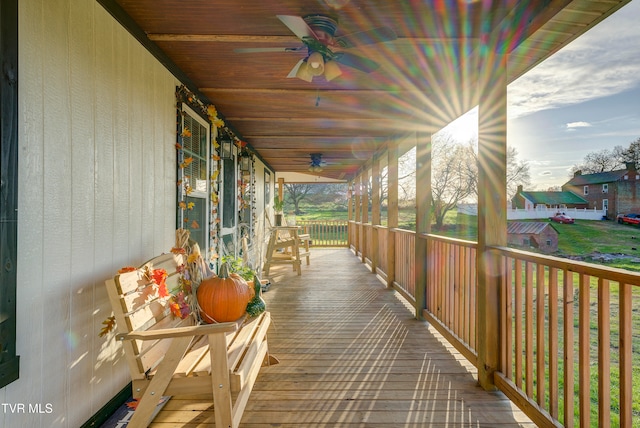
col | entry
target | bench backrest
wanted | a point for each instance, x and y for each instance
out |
(138, 306)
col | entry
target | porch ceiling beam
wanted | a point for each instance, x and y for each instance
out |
(311, 91)
(235, 38)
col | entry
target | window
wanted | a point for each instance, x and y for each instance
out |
(9, 361)
(193, 173)
(548, 242)
(605, 188)
(585, 190)
(526, 242)
(605, 205)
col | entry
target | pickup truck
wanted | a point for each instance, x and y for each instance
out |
(628, 218)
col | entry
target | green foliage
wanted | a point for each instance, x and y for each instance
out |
(278, 204)
(236, 265)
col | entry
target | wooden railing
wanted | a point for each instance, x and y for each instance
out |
(567, 344)
(405, 277)
(451, 290)
(326, 233)
(383, 244)
(567, 339)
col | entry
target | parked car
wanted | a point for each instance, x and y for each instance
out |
(562, 218)
(628, 218)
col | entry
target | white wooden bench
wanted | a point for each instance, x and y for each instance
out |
(169, 356)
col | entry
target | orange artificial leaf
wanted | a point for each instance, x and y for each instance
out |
(182, 205)
(178, 250)
(126, 269)
(158, 275)
(162, 290)
(215, 157)
(175, 310)
(132, 404)
(178, 146)
(179, 183)
(109, 325)
(188, 160)
(186, 132)
(195, 225)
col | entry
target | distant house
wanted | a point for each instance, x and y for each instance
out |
(531, 200)
(539, 235)
(614, 191)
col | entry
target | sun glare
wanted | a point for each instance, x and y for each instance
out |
(464, 128)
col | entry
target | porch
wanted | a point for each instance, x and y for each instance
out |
(352, 353)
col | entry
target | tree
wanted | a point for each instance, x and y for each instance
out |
(518, 173)
(630, 154)
(453, 175)
(599, 161)
(297, 192)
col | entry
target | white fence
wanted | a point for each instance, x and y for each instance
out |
(539, 212)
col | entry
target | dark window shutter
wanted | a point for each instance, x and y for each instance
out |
(9, 368)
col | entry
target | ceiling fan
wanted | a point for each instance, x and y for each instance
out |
(316, 163)
(324, 49)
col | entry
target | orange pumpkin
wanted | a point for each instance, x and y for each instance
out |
(224, 297)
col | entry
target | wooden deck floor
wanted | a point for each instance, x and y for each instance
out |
(352, 354)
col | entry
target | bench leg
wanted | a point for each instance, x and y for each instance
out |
(158, 385)
(221, 384)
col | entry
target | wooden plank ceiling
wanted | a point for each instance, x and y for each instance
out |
(422, 82)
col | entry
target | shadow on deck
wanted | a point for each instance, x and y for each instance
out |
(352, 354)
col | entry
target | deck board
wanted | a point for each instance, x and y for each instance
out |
(352, 354)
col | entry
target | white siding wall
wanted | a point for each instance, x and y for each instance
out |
(97, 192)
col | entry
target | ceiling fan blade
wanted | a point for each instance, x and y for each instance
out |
(294, 70)
(255, 50)
(357, 62)
(369, 37)
(298, 26)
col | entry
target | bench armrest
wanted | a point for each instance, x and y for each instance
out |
(166, 333)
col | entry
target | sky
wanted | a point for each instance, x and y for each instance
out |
(585, 98)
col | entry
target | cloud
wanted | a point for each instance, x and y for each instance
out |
(545, 173)
(571, 126)
(602, 62)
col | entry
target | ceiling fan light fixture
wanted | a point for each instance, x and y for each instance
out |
(304, 72)
(331, 70)
(315, 63)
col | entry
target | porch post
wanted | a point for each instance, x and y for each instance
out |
(392, 210)
(281, 188)
(423, 218)
(349, 213)
(375, 211)
(356, 207)
(365, 210)
(492, 215)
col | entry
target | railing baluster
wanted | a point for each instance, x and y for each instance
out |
(518, 322)
(584, 368)
(540, 354)
(604, 357)
(626, 355)
(553, 342)
(528, 289)
(569, 384)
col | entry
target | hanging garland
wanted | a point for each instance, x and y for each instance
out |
(218, 126)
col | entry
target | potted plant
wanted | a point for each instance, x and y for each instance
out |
(278, 206)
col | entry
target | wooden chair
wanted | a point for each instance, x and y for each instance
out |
(170, 356)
